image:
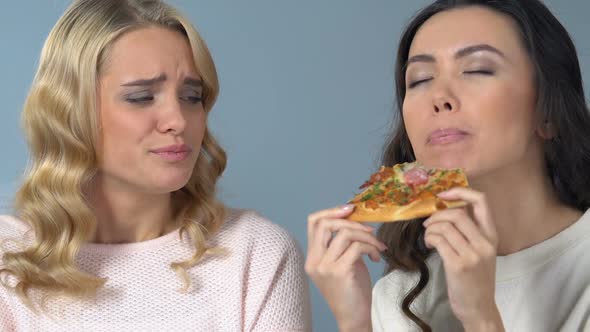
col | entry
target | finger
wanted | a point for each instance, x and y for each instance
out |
(354, 253)
(461, 220)
(479, 205)
(345, 238)
(334, 213)
(453, 237)
(444, 249)
(322, 234)
(328, 227)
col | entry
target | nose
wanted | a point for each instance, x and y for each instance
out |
(444, 100)
(443, 105)
(172, 118)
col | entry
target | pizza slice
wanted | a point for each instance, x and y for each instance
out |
(405, 191)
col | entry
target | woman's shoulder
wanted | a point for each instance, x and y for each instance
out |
(15, 235)
(392, 288)
(13, 232)
(249, 228)
(388, 295)
(390, 291)
(398, 282)
(12, 225)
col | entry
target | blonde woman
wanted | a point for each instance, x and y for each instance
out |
(116, 224)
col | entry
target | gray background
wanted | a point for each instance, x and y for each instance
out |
(306, 96)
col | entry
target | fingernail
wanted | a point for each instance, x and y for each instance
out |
(347, 207)
(443, 194)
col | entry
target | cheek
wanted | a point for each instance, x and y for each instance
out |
(414, 120)
(509, 116)
(122, 134)
(506, 124)
(196, 127)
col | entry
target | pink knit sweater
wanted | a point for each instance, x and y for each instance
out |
(258, 286)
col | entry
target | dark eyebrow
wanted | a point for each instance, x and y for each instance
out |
(420, 58)
(477, 48)
(194, 82)
(459, 54)
(145, 82)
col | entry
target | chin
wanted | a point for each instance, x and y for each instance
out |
(171, 184)
(446, 162)
(176, 188)
(465, 158)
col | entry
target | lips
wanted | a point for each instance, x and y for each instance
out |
(173, 153)
(177, 148)
(446, 136)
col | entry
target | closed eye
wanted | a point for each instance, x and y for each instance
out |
(142, 99)
(191, 97)
(479, 72)
(414, 84)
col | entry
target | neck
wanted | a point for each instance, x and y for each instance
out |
(525, 208)
(125, 215)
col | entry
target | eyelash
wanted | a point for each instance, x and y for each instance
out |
(416, 83)
(140, 100)
(469, 72)
(480, 71)
(147, 99)
(194, 99)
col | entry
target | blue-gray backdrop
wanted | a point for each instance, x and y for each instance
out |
(306, 96)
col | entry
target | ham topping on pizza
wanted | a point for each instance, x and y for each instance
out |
(416, 176)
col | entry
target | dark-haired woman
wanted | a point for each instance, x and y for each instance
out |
(493, 87)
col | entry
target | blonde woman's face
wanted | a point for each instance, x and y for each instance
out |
(470, 94)
(152, 120)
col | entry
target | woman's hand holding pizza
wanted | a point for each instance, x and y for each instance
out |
(465, 238)
(335, 264)
(466, 241)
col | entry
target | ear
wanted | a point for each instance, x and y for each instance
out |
(546, 131)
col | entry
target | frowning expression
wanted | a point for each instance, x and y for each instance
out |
(152, 120)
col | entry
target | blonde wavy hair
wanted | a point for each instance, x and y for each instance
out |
(60, 123)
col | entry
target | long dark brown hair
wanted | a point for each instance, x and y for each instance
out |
(560, 102)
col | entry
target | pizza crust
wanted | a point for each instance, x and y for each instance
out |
(417, 209)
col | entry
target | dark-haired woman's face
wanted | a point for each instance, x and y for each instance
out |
(470, 94)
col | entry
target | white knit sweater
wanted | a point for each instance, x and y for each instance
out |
(259, 285)
(542, 288)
